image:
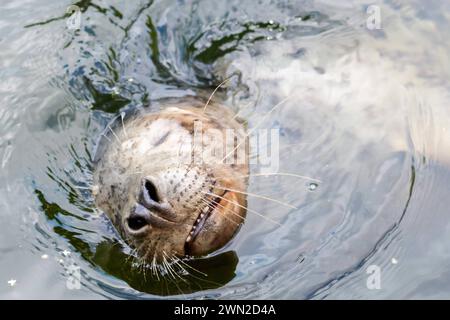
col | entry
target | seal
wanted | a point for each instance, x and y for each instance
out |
(173, 182)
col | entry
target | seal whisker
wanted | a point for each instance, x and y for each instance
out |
(192, 268)
(175, 260)
(171, 267)
(200, 272)
(162, 267)
(171, 271)
(258, 196)
(150, 248)
(141, 264)
(122, 116)
(155, 269)
(107, 138)
(233, 212)
(130, 256)
(114, 134)
(143, 269)
(133, 255)
(183, 271)
(241, 108)
(248, 209)
(163, 264)
(257, 125)
(212, 94)
(141, 260)
(197, 271)
(222, 214)
(212, 207)
(287, 174)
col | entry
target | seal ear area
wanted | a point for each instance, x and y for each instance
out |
(222, 224)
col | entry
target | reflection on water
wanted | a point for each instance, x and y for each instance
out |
(363, 143)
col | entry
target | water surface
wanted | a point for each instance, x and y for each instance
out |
(366, 120)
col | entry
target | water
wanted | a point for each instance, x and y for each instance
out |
(366, 118)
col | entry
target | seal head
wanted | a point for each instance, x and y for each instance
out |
(173, 182)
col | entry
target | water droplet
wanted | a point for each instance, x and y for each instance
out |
(313, 186)
(44, 256)
(270, 21)
(394, 261)
(115, 90)
(130, 80)
(12, 282)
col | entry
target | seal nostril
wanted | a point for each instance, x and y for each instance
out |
(136, 222)
(151, 190)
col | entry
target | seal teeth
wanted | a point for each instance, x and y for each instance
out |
(197, 222)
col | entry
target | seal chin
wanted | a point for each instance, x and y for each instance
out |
(216, 224)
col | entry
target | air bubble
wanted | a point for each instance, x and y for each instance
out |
(312, 186)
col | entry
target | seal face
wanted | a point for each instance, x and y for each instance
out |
(174, 182)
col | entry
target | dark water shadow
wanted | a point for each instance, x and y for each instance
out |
(195, 275)
(184, 277)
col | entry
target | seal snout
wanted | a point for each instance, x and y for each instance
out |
(155, 200)
(149, 194)
(151, 209)
(138, 219)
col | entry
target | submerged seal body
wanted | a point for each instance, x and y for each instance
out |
(174, 182)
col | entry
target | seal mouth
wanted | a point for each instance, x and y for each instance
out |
(199, 223)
